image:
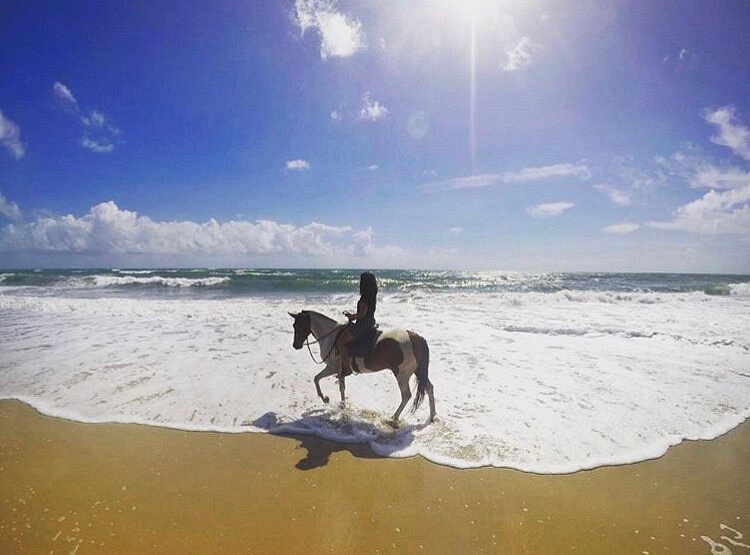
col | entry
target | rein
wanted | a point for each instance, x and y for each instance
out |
(339, 329)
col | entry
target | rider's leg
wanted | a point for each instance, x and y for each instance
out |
(342, 343)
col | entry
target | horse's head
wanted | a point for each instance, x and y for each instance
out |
(302, 328)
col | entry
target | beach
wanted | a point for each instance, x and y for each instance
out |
(71, 487)
(546, 373)
(167, 411)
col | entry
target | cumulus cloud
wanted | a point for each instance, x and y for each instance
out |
(298, 165)
(456, 230)
(109, 230)
(371, 110)
(10, 137)
(617, 196)
(725, 209)
(716, 213)
(580, 171)
(549, 210)
(621, 229)
(9, 209)
(335, 115)
(730, 132)
(372, 167)
(520, 55)
(98, 132)
(363, 245)
(340, 35)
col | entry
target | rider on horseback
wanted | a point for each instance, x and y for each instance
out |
(364, 319)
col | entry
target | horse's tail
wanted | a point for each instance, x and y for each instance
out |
(422, 354)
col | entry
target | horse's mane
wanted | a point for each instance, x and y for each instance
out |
(323, 316)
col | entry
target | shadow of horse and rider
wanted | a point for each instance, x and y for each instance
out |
(353, 435)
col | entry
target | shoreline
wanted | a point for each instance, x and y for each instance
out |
(739, 421)
(134, 488)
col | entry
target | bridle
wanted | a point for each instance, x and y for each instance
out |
(339, 329)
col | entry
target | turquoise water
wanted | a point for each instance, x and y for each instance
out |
(228, 282)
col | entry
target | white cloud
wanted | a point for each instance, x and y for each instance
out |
(98, 133)
(340, 35)
(372, 110)
(10, 137)
(108, 230)
(64, 95)
(621, 229)
(456, 230)
(617, 196)
(679, 61)
(97, 146)
(363, 245)
(659, 171)
(9, 209)
(716, 178)
(372, 167)
(716, 213)
(543, 172)
(298, 165)
(725, 209)
(580, 171)
(549, 210)
(731, 133)
(468, 182)
(520, 55)
(336, 115)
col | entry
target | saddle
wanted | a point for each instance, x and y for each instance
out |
(363, 345)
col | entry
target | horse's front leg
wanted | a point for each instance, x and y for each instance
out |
(342, 387)
(327, 371)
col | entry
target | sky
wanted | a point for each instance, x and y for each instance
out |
(513, 135)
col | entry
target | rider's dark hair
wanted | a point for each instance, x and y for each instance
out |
(368, 288)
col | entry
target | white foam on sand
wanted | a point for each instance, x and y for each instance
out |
(541, 382)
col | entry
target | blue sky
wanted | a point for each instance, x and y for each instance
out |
(538, 135)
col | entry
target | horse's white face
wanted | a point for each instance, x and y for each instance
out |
(302, 328)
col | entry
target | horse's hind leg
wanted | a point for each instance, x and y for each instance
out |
(403, 384)
(431, 396)
(327, 371)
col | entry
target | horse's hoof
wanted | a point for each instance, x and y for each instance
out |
(325, 400)
(393, 423)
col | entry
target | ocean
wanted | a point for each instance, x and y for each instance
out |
(545, 372)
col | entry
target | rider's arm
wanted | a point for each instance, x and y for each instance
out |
(361, 310)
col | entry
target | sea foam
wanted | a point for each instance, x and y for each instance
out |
(125, 280)
(541, 382)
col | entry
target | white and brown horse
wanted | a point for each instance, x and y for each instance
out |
(403, 352)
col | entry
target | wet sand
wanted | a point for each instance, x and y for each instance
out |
(67, 487)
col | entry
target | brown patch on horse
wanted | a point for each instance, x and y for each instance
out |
(386, 354)
(417, 345)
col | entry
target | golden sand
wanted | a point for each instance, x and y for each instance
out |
(67, 487)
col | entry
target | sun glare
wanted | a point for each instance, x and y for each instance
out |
(467, 11)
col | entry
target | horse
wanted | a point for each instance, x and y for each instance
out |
(404, 352)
